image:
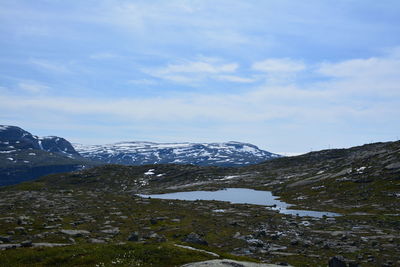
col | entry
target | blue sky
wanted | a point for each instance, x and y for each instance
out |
(288, 76)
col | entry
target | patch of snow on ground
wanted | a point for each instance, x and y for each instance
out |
(10, 159)
(32, 154)
(361, 169)
(229, 177)
(8, 151)
(149, 172)
(220, 210)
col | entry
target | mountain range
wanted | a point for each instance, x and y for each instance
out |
(202, 154)
(24, 156)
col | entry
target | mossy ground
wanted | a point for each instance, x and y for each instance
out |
(103, 255)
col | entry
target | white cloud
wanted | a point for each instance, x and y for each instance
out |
(143, 82)
(364, 68)
(49, 66)
(199, 67)
(105, 55)
(283, 65)
(32, 86)
(371, 77)
(235, 79)
(191, 71)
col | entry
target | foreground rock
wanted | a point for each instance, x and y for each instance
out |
(227, 263)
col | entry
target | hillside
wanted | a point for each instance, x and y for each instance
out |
(99, 205)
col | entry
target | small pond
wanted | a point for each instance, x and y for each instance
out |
(242, 196)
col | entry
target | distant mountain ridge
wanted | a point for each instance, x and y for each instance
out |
(24, 156)
(14, 138)
(202, 154)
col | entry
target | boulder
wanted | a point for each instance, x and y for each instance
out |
(337, 261)
(26, 244)
(195, 239)
(134, 237)
(227, 263)
(5, 239)
(75, 233)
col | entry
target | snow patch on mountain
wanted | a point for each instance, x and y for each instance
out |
(206, 154)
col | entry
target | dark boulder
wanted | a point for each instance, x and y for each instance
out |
(195, 239)
(337, 261)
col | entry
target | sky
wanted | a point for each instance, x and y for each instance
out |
(288, 76)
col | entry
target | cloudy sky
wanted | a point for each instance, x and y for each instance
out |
(289, 76)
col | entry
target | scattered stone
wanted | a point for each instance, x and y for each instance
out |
(195, 239)
(26, 244)
(111, 231)
(393, 166)
(227, 263)
(256, 243)
(97, 241)
(9, 246)
(5, 239)
(337, 261)
(75, 233)
(134, 237)
(48, 245)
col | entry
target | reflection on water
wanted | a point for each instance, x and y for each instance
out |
(242, 196)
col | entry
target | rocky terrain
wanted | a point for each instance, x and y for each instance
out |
(204, 154)
(83, 214)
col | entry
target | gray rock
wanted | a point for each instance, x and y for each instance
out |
(96, 241)
(256, 243)
(9, 246)
(195, 239)
(134, 237)
(393, 166)
(48, 245)
(337, 261)
(75, 233)
(26, 244)
(227, 263)
(111, 231)
(6, 239)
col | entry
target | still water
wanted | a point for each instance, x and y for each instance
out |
(242, 196)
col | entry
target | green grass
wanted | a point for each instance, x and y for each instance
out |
(102, 255)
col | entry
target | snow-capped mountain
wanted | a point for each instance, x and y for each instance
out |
(24, 156)
(204, 154)
(15, 138)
